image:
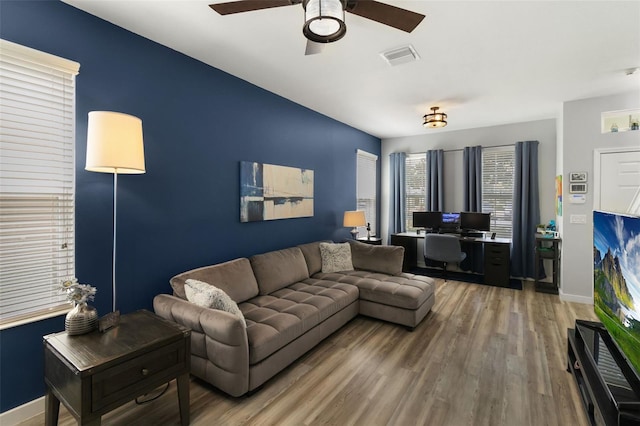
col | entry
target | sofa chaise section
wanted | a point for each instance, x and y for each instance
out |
(385, 292)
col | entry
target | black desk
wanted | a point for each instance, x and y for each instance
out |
(497, 255)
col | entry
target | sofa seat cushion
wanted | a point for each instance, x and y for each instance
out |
(277, 319)
(405, 291)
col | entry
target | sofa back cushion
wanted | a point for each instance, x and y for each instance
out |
(279, 269)
(234, 278)
(312, 256)
(384, 259)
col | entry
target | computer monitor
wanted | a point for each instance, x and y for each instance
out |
(428, 220)
(450, 222)
(451, 218)
(475, 221)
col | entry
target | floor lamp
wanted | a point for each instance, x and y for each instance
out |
(114, 145)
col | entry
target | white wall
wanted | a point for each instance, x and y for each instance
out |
(543, 131)
(581, 135)
(559, 160)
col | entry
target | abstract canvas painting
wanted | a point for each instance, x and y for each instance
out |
(269, 192)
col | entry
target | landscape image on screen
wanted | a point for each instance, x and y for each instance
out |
(616, 279)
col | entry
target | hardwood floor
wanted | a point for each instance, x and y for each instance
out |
(483, 356)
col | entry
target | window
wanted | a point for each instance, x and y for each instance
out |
(37, 178)
(367, 186)
(416, 186)
(498, 166)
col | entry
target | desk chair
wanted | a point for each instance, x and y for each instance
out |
(443, 248)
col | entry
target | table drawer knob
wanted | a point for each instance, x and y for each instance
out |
(145, 372)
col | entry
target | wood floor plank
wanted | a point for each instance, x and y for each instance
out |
(483, 356)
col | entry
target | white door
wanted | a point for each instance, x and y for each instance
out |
(617, 180)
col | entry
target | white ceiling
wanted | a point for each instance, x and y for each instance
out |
(484, 63)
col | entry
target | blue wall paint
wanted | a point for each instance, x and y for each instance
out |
(199, 123)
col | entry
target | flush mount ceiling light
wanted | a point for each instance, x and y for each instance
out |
(323, 20)
(435, 119)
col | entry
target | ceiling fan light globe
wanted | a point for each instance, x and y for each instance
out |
(324, 27)
(324, 20)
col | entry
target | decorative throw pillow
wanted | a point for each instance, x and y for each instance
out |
(209, 296)
(336, 257)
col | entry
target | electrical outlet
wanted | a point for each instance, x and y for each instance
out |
(578, 218)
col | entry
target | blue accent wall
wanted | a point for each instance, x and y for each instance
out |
(198, 123)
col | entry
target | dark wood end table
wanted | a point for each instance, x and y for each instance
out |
(371, 240)
(94, 373)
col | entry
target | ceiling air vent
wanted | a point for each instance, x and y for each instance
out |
(401, 55)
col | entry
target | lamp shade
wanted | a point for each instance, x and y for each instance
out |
(354, 219)
(114, 143)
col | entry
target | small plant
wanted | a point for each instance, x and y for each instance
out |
(77, 293)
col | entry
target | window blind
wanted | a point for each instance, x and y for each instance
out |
(416, 186)
(367, 185)
(498, 166)
(37, 179)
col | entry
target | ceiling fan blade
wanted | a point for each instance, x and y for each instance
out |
(313, 48)
(393, 16)
(249, 5)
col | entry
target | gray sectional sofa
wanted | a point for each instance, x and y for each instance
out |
(289, 306)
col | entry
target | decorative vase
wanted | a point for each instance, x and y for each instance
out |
(81, 319)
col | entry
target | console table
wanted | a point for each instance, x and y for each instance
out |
(94, 373)
(497, 255)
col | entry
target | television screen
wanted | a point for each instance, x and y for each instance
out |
(475, 221)
(431, 220)
(616, 279)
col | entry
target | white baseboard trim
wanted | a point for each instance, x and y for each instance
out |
(22, 412)
(575, 298)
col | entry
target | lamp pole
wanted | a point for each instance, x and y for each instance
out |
(113, 260)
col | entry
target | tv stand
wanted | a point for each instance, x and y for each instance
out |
(609, 389)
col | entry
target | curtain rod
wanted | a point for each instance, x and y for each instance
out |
(462, 149)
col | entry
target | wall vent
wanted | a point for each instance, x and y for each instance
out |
(401, 55)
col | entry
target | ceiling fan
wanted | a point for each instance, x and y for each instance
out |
(324, 19)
